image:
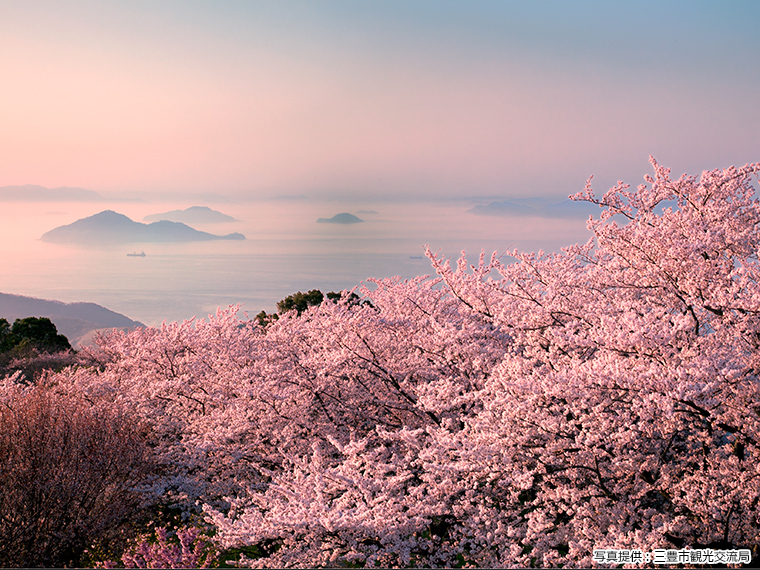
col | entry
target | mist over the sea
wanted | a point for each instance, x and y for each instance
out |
(285, 250)
(459, 124)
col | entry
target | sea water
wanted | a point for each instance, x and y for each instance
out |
(286, 250)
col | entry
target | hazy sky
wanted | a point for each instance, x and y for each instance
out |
(392, 98)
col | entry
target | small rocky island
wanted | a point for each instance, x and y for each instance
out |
(342, 218)
(112, 227)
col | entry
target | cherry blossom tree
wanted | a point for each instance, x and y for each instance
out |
(620, 410)
(494, 414)
(189, 550)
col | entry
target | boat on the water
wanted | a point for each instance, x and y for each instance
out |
(135, 254)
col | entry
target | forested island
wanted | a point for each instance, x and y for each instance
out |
(342, 218)
(192, 215)
(111, 227)
(521, 415)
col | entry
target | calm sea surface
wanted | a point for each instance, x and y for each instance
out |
(285, 251)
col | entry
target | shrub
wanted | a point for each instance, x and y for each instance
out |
(68, 473)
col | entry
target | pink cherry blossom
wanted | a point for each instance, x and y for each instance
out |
(494, 414)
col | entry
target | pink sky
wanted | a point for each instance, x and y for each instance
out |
(391, 98)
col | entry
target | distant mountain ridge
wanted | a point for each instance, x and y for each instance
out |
(192, 215)
(111, 227)
(77, 321)
(34, 193)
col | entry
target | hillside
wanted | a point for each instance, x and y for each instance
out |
(77, 321)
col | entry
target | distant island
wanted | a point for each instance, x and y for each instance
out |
(343, 218)
(33, 193)
(77, 321)
(192, 215)
(565, 209)
(112, 227)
